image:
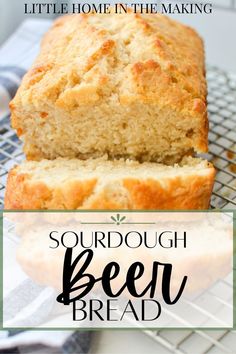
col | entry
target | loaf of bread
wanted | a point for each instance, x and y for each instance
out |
(130, 85)
(103, 184)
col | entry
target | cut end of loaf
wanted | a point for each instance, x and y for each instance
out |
(130, 85)
(104, 184)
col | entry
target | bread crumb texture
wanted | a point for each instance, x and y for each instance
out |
(79, 184)
(130, 85)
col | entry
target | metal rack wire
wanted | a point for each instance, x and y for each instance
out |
(203, 341)
(222, 151)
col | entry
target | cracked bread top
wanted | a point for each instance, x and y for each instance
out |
(147, 57)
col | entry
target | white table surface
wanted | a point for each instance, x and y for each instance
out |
(125, 342)
(219, 33)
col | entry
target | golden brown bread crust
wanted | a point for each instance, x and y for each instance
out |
(129, 64)
(170, 193)
(179, 46)
(22, 194)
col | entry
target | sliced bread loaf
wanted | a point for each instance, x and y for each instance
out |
(127, 85)
(104, 184)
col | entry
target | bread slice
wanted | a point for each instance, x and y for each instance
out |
(126, 85)
(104, 184)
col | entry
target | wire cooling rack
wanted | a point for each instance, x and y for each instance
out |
(222, 136)
(222, 152)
